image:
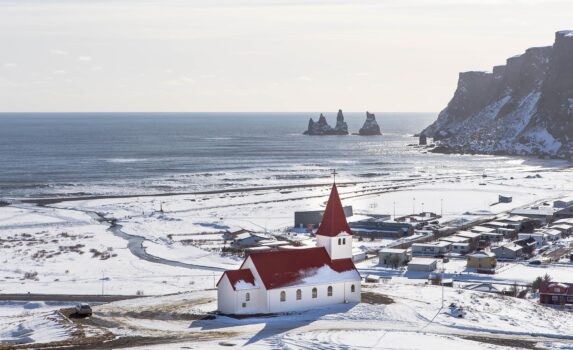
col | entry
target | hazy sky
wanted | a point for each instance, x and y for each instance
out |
(265, 55)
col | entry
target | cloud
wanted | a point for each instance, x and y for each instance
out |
(58, 52)
(59, 72)
(97, 68)
(9, 65)
(84, 58)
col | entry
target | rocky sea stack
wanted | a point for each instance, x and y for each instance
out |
(524, 107)
(370, 126)
(321, 127)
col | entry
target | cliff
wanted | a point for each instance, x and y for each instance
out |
(370, 126)
(524, 107)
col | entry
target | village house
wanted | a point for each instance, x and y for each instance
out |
(482, 261)
(510, 251)
(565, 229)
(440, 248)
(539, 237)
(503, 228)
(553, 293)
(393, 257)
(551, 234)
(461, 248)
(296, 279)
(541, 214)
(520, 223)
(529, 245)
(422, 265)
(473, 238)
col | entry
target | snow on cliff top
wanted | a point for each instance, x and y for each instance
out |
(566, 33)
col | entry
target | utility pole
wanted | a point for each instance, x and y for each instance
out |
(413, 205)
(394, 211)
(102, 282)
(441, 207)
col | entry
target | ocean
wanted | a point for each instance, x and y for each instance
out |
(80, 154)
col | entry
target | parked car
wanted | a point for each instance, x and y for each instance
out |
(535, 262)
(83, 309)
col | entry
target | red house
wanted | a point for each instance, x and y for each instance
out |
(554, 293)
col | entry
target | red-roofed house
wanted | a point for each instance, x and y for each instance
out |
(299, 279)
(555, 293)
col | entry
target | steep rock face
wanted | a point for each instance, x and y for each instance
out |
(370, 126)
(321, 127)
(524, 107)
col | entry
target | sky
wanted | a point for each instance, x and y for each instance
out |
(258, 55)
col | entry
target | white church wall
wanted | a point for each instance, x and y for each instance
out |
(225, 296)
(341, 292)
(259, 299)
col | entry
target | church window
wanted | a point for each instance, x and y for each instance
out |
(352, 289)
(298, 294)
(339, 240)
(283, 296)
(248, 297)
(314, 293)
(344, 241)
(329, 291)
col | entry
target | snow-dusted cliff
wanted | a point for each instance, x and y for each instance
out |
(524, 107)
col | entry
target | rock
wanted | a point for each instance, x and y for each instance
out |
(370, 126)
(423, 139)
(524, 107)
(341, 128)
(321, 127)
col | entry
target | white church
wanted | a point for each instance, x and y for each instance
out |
(298, 279)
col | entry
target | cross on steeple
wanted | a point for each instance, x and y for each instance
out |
(334, 174)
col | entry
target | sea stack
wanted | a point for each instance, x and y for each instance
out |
(341, 128)
(321, 127)
(370, 126)
(423, 139)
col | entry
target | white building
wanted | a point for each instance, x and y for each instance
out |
(392, 257)
(298, 279)
(431, 249)
(422, 265)
(540, 238)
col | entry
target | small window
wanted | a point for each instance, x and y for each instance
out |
(339, 241)
(298, 294)
(283, 296)
(244, 304)
(248, 297)
(557, 290)
(352, 288)
(314, 293)
(344, 241)
(555, 297)
(329, 291)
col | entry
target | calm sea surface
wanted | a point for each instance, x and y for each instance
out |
(47, 154)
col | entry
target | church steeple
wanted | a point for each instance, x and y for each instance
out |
(334, 234)
(333, 220)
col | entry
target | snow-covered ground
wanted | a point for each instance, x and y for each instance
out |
(68, 248)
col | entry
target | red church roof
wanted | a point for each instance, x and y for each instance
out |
(289, 267)
(235, 276)
(333, 220)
